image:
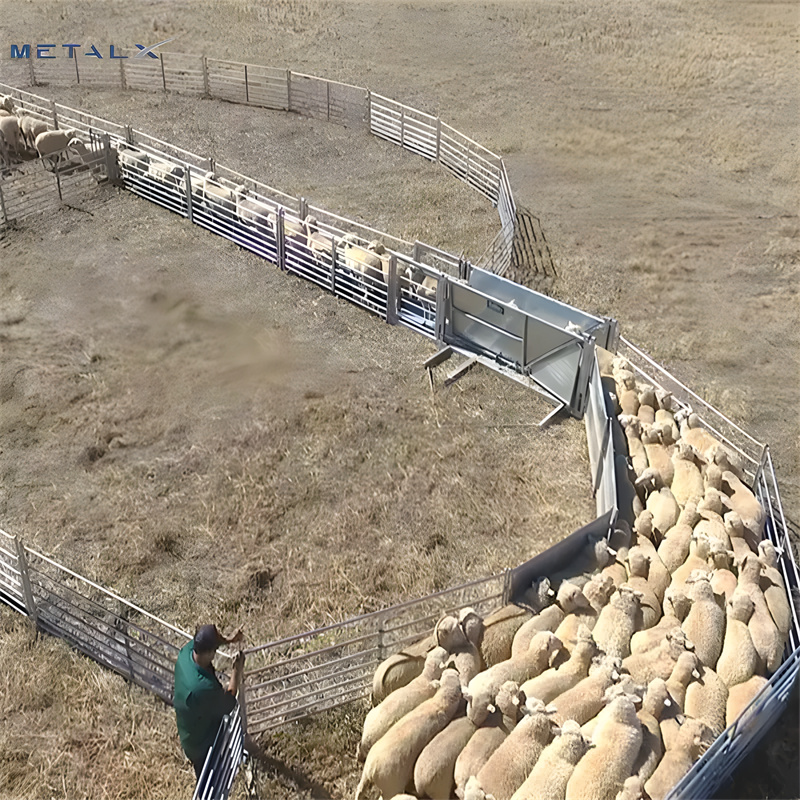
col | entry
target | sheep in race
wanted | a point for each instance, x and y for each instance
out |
(9, 127)
(51, 146)
(30, 127)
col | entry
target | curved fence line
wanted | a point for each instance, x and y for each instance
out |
(326, 668)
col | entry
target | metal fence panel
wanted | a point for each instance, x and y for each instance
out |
(11, 590)
(410, 128)
(228, 80)
(223, 759)
(183, 73)
(142, 74)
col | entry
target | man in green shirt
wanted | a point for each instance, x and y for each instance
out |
(199, 700)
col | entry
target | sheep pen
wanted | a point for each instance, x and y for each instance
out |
(732, 248)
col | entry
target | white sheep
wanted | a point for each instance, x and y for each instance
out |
(365, 260)
(694, 739)
(255, 213)
(699, 551)
(685, 671)
(768, 640)
(601, 773)
(774, 588)
(30, 127)
(739, 659)
(9, 126)
(399, 669)
(569, 598)
(52, 145)
(658, 457)
(618, 621)
(511, 763)
(585, 700)
(390, 762)
(660, 661)
(706, 699)
(705, 623)
(654, 702)
(741, 695)
(661, 502)
(381, 718)
(746, 505)
(434, 771)
(465, 654)
(638, 572)
(500, 628)
(687, 482)
(548, 779)
(674, 547)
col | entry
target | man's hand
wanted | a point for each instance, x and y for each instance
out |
(238, 662)
(237, 636)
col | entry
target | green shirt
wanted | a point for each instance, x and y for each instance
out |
(200, 704)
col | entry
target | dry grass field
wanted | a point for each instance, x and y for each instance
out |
(216, 440)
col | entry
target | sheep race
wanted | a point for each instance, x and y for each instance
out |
(609, 673)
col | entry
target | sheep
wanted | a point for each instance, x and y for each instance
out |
(737, 534)
(601, 773)
(655, 700)
(697, 560)
(628, 397)
(650, 638)
(696, 436)
(585, 700)
(647, 405)
(687, 482)
(549, 777)
(614, 571)
(365, 260)
(483, 687)
(636, 448)
(434, 771)
(30, 127)
(9, 126)
(649, 604)
(625, 686)
(7, 103)
(705, 623)
(207, 189)
(5, 159)
(739, 659)
(658, 575)
(489, 735)
(320, 245)
(658, 457)
(693, 741)
(618, 621)
(767, 638)
(598, 592)
(627, 499)
(746, 505)
(390, 762)
(498, 635)
(674, 547)
(706, 699)
(383, 716)
(686, 670)
(774, 588)
(660, 502)
(553, 682)
(256, 214)
(660, 661)
(741, 695)
(513, 760)
(399, 669)
(584, 616)
(727, 460)
(546, 620)
(53, 144)
(133, 160)
(632, 789)
(464, 653)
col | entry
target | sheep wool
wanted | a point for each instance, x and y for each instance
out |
(656, 699)
(617, 623)
(741, 695)
(512, 762)
(705, 623)
(706, 700)
(400, 669)
(693, 740)
(549, 777)
(586, 699)
(434, 771)
(390, 762)
(602, 772)
(639, 570)
(499, 630)
(739, 659)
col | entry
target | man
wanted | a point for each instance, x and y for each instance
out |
(200, 701)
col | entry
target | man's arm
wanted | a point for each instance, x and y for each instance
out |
(236, 675)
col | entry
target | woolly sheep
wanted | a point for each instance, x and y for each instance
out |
(661, 502)
(390, 762)
(553, 682)
(632, 789)
(739, 659)
(381, 718)
(30, 127)
(465, 655)
(687, 482)
(674, 547)
(549, 777)
(366, 260)
(601, 773)
(697, 436)
(746, 505)
(618, 621)
(741, 695)
(765, 634)
(167, 172)
(528, 664)
(512, 762)
(737, 534)
(650, 638)
(697, 560)
(655, 700)
(705, 623)
(685, 671)
(9, 126)
(399, 669)
(693, 741)
(434, 771)
(658, 457)
(774, 588)
(660, 661)
(499, 630)
(489, 735)
(51, 144)
(706, 699)
(585, 700)
(256, 214)
(649, 603)
(636, 448)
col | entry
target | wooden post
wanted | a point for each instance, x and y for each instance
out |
(53, 112)
(3, 206)
(31, 73)
(369, 110)
(188, 188)
(122, 83)
(288, 90)
(392, 291)
(24, 578)
(438, 139)
(328, 89)
(416, 253)
(163, 74)
(77, 73)
(402, 126)
(246, 86)
(302, 208)
(129, 134)
(204, 64)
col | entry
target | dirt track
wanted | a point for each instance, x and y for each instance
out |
(160, 400)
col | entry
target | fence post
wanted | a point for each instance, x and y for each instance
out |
(32, 73)
(77, 73)
(211, 165)
(53, 112)
(187, 176)
(246, 86)
(25, 580)
(402, 126)
(58, 182)
(333, 264)
(163, 74)
(416, 253)
(279, 240)
(369, 110)
(392, 291)
(288, 90)
(328, 90)
(123, 85)
(439, 322)
(439, 139)
(302, 208)
(206, 90)
(760, 469)
(129, 134)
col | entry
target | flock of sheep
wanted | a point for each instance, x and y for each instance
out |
(303, 238)
(627, 663)
(23, 134)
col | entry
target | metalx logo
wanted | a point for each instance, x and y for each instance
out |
(50, 51)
